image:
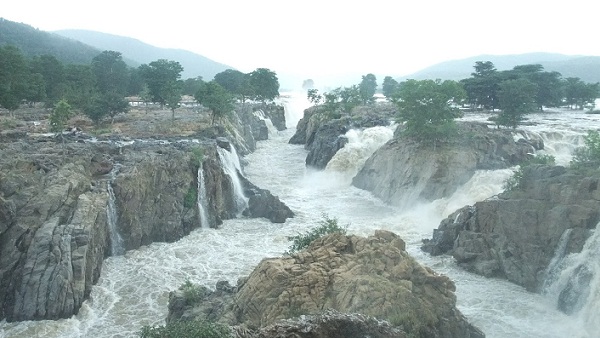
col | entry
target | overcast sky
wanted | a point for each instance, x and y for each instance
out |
(311, 37)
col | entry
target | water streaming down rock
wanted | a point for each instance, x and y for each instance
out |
(202, 198)
(574, 284)
(231, 165)
(117, 247)
(261, 115)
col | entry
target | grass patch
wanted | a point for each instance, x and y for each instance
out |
(197, 155)
(326, 226)
(191, 197)
(187, 329)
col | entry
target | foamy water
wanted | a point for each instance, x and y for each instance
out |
(133, 289)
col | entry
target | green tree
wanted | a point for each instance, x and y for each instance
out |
(482, 87)
(53, 72)
(60, 115)
(159, 75)
(237, 83)
(589, 155)
(79, 86)
(428, 108)
(36, 88)
(308, 84)
(314, 97)
(191, 85)
(110, 72)
(105, 105)
(351, 97)
(172, 93)
(214, 97)
(367, 89)
(389, 87)
(265, 84)
(517, 98)
(13, 77)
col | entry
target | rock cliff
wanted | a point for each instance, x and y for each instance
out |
(323, 136)
(54, 198)
(373, 276)
(516, 235)
(404, 171)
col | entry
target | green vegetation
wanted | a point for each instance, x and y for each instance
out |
(428, 108)
(214, 97)
(197, 155)
(515, 182)
(191, 196)
(367, 88)
(516, 98)
(187, 329)
(191, 292)
(327, 226)
(589, 155)
(60, 115)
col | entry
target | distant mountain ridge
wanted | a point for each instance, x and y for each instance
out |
(587, 68)
(194, 64)
(34, 42)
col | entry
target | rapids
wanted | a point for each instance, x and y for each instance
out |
(133, 288)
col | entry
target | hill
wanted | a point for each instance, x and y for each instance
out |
(194, 65)
(33, 42)
(586, 68)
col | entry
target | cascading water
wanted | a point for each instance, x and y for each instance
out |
(231, 166)
(499, 308)
(573, 283)
(117, 247)
(202, 198)
(261, 115)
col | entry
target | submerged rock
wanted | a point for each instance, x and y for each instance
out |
(373, 276)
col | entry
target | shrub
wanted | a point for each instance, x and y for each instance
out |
(589, 155)
(191, 292)
(327, 226)
(516, 180)
(187, 329)
(197, 155)
(189, 201)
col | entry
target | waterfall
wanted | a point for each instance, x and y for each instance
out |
(232, 167)
(361, 145)
(575, 284)
(201, 200)
(261, 115)
(116, 241)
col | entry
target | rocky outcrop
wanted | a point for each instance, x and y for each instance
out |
(373, 276)
(54, 198)
(323, 136)
(516, 235)
(330, 324)
(404, 171)
(261, 203)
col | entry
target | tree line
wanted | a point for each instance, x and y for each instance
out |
(99, 89)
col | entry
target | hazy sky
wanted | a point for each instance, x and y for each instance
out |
(310, 37)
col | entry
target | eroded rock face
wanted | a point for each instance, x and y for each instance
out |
(373, 276)
(404, 171)
(54, 198)
(516, 235)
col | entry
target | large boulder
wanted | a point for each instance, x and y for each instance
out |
(517, 234)
(373, 276)
(405, 171)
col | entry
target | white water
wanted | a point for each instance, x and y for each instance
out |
(261, 115)
(133, 289)
(231, 166)
(116, 241)
(202, 199)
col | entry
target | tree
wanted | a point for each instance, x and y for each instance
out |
(172, 95)
(314, 97)
(389, 87)
(236, 82)
(482, 87)
(549, 84)
(36, 88)
(13, 77)
(110, 72)
(159, 75)
(103, 105)
(367, 88)
(60, 115)
(53, 72)
(350, 97)
(517, 98)
(308, 84)
(214, 97)
(79, 89)
(579, 93)
(428, 108)
(191, 85)
(265, 84)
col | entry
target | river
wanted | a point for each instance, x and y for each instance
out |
(133, 288)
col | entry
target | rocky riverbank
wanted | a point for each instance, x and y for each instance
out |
(55, 197)
(372, 276)
(516, 235)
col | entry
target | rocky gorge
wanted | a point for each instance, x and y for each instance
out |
(55, 194)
